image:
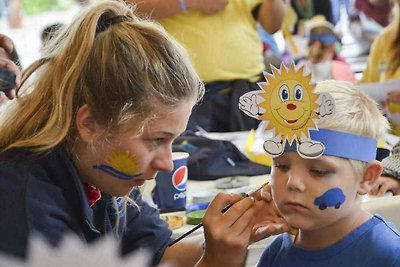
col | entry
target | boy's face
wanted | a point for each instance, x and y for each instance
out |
(314, 193)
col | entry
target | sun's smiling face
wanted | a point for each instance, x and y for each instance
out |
(290, 103)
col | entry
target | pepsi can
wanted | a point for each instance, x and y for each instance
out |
(169, 194)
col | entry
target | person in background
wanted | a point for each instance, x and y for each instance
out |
(337, 9)
(95, 118)
(222, 40)
(9, 61)
(390, 178)
(307, 9)
(367, 21)
(322, 196)
(322, 59)
(384, 63)
(272, 54)
(13, 10)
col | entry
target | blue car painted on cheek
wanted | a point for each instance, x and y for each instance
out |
(332, 198)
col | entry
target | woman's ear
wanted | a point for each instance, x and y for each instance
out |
(371, 174)
(88, 128)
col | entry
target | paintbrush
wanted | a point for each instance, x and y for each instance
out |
(222, 211)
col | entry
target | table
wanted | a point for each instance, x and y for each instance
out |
(193, 187)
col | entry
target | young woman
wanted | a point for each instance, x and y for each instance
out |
(96, 121)
(384, 64)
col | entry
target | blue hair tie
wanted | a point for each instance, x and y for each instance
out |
(325, 38)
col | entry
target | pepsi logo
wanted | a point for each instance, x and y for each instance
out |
(179, 178)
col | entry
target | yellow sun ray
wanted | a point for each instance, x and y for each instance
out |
(124, 162)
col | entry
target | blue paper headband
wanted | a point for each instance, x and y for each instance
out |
(325, 38)
(341, 144)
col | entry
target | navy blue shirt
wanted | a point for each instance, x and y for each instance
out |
(44, 195)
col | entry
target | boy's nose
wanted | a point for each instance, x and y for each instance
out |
(295, 181)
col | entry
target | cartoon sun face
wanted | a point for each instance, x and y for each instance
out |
(122, 165)
(290, 103)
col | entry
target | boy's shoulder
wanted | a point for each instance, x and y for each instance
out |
(383, 238)
(384, 230)
(374, 243)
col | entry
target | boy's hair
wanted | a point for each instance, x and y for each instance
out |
(355, 113)
(120, 70)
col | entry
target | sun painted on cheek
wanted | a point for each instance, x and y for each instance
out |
(333, 197)
(121, 165)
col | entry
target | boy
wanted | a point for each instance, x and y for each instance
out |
(318, 193)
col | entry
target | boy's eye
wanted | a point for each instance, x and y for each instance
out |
(319, 172)
(281, 167)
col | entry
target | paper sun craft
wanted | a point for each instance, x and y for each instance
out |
(290, 106)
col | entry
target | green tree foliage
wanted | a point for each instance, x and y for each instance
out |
(35, 7)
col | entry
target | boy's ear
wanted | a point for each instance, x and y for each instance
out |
(371, 174)
(88, 128)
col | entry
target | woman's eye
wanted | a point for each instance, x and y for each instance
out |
(155, 141)
(158, 141)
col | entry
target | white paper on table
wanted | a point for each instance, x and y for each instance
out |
(378, 91)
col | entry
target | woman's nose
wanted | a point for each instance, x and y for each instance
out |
(165, 163)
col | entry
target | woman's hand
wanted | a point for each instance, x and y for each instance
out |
(227, 234)
(268, 220)
(386, 184)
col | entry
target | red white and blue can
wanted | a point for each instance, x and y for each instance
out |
(169, 193)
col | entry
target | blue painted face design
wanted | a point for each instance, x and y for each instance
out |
(333, 197)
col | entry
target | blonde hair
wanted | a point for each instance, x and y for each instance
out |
(120, 70)
(355, 113)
